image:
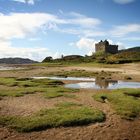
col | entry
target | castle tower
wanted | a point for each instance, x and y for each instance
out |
(104, 46)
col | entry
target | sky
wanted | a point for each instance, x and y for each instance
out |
(36, 29)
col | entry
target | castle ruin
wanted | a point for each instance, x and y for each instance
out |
(104, 46)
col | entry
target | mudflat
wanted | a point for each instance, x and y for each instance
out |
(115, 126)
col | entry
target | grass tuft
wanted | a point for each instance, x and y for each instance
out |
(133, 92)
(59, 92)
(17, 87)
(122, 101)
(66, 115)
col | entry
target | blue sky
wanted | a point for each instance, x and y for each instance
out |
(38, 28)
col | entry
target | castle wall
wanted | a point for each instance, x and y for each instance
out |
(99, 47)
(111, 49)
(105, 47)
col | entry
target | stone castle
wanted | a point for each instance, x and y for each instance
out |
(104, 46)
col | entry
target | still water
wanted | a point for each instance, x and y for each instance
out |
(95, 83)
(104, 85)
(67, 78)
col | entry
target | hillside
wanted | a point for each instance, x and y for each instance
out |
(125, 56)
(16, 61)
(134, 49)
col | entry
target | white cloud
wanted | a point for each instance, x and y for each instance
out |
(121, 45)
(131, 38)
(81, 32)
(83, 21)
(86, 44)
(34, 39)
(78, 24)
(93, 33)
(123, 1)
(35, 53)
(26, 1)
(23, 25)
(123, 30)
(19, 25)
(30, 1)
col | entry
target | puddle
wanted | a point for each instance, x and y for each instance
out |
(94, 83)
(67, 78)
(104, 85)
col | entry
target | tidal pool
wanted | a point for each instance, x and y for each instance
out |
(107, 85)
(94, 83)
(67, 78)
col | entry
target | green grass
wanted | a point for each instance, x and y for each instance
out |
(80, 64)
(133, 92)
(68, 104)
(71, 115)
(47, 82)
(50, 92)
(16, 87)
(17, 92)
(59, 92)
(7, 81)
(49, 64)
(123, 101)
(29, 82)
(13, 93)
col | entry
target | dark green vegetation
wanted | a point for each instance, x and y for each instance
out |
(21, 86)
(125, 101)
(123, 56)
(67, 114)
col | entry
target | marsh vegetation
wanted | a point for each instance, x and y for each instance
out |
(66, 114)
(125, 102)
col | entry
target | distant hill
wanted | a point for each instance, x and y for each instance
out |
(16, 61)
